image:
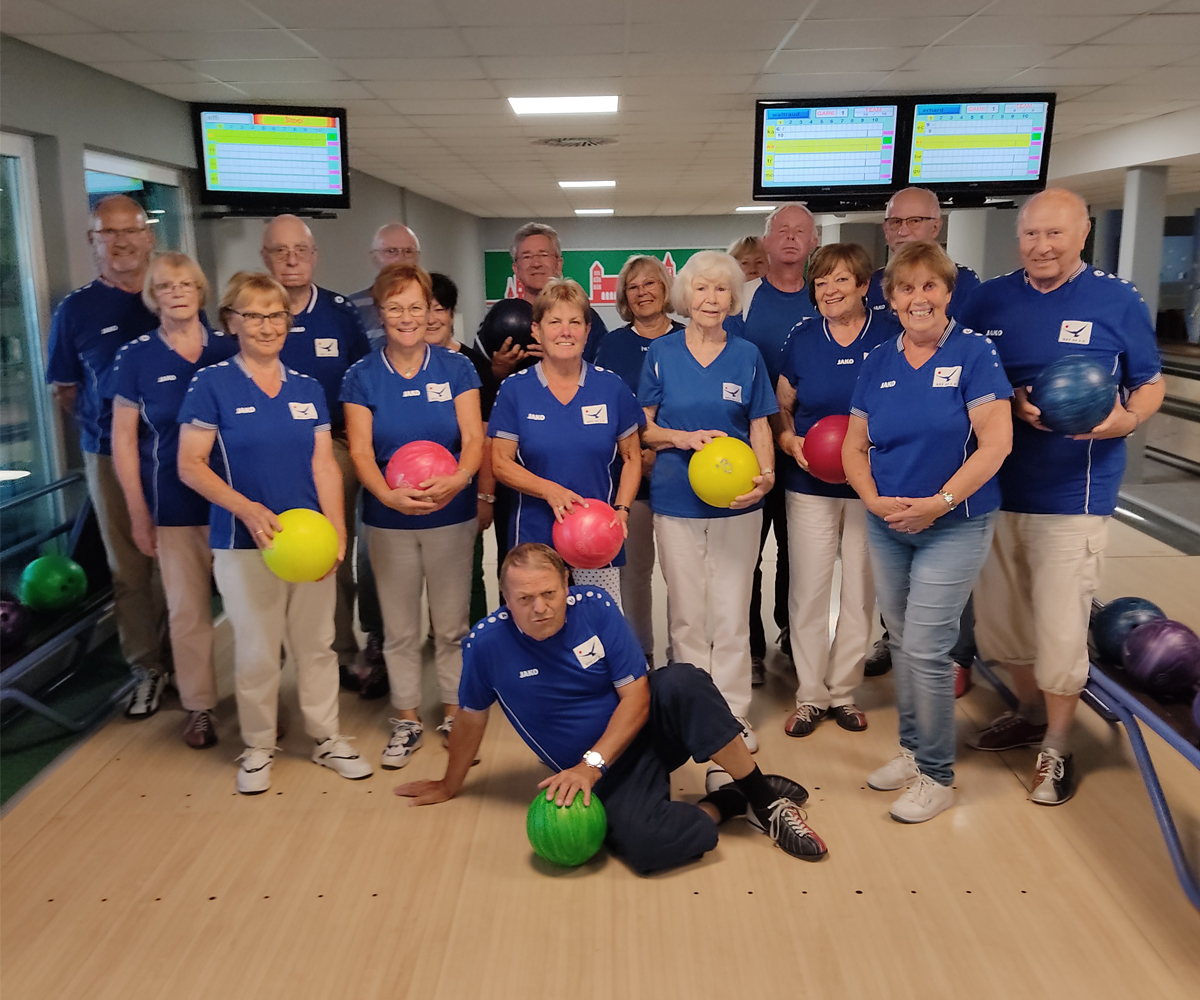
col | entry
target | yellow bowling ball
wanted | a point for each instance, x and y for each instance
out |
(305, 549)
(723, 470)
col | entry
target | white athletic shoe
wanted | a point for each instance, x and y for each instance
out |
(924, 799)
(896, 773)
(406, 738)
(748, 736)
(337, 754)
(444, 730)
(254, 775)
(147, 695)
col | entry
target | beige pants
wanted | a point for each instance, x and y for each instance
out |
(185, 562)
(828, 674)
(440, 561)
(344, 643)
(637, 575)
(1034, 595)
(138, 602)
(268, 615)
(708, 563)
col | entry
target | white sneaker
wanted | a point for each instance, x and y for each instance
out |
(716, 777)
(337, 754)
(254, 775)
(405, 740)
(444, 730)
(147, 695)
(896, 773)
(748, 736)
(924, 799)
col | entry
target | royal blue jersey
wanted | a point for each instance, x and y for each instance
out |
(918, 419)
(264, 447)
(966, 282)
(325, 340)
(823, 374)
(368, 312)
(771, 316)
(420, 408)
(90, 325)
(1096, 314)
(559, 693)
(150, 376)
(733, 390)
(573, 444)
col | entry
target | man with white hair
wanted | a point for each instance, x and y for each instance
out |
(771, 307)
(394, 243)
(1057, 491)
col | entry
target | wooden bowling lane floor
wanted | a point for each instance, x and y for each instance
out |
(134, 870)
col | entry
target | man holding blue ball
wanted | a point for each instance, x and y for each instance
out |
(1034, 595)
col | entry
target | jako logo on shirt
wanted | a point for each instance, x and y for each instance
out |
(995, 333)
(946, 377)
(325, 347)
(303, 411)
(438, 392)
(166, 378)
(411, 392)
(597, 414)
(535, 416)
(589, 651)
(528, 673)
(731, 392)
(887, 385)
(845, 361)
(110, 329)
(1075, 331)
(242, 409)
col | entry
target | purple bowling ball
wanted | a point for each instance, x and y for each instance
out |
(1163, 657)
(1196, 711)
(14, 623)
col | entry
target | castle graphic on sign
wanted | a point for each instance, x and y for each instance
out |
(602, 288)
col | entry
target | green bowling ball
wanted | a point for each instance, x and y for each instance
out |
(52, 583)
(566, 835)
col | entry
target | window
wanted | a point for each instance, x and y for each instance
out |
(158, 190)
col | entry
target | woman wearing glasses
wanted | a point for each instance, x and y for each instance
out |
(421, 538)
(147, 383)
(270, 426)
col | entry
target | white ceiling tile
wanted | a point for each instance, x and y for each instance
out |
(1051, 76)
(32, 17)
(987, 30)
(556, 86)
(703, 35)
(703, 84)
(520, 41)
(468, 121)
(361, 110)
(391, 43)
(564, 67)
(1124, 55)
(410, 69)
(535, 13)
(90, 48)
(200, 91)
(324, 92)
(449, 107)
(139, 15)
(150, 73)
(862, 9)
(873, 33)
(915, 80)
(257, 70)
(967, 58)
(263, 43)
(1068, 8)
(361, 14)
(1158, 29)
(671, 62)
(840, 60)
(431, 89)
(819, 84)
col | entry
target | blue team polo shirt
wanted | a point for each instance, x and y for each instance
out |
(264, 447)
(325, 340)
(152, 377)
(368, 312)
(966, 282)
(573, 444)
(772, 316)
(1097, 314)
(558, 693)
(90, 325)
(918, 418)
(420, 408)
(824, 373)
(733, 390)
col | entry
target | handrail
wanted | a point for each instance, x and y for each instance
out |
(41, 491)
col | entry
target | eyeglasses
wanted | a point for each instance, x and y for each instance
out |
(281, 254)
(253, 319)
(399, 312)
(911, 221)
(643, 286)
(109, 235)
(391, 253)
(161, 287)
(539, 258)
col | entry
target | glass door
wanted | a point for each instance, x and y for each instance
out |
(159, 190)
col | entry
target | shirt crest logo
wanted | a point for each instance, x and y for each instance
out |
(597, 414)
(1075, 331)
(438, 392)
(947, 377)
(325, 347)
(303, 411)
(589, 651)
(731, 392)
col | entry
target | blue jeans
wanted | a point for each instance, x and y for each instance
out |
(922, 583)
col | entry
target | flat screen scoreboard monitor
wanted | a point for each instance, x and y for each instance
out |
(809, 149)
(264, 157)
(996, 144)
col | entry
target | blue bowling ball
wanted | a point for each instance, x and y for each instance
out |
(1074, 393)
(1113, 622)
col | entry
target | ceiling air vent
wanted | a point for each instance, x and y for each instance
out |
(575, 141)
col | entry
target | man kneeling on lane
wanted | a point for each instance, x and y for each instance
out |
(571, 677)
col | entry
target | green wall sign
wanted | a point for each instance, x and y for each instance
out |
(595, 270)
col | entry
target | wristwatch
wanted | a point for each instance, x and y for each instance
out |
(487, 497)
(949, 498)
(593, 759)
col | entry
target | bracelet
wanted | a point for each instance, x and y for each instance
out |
(487, 497)
(767, 472)
(620, 506)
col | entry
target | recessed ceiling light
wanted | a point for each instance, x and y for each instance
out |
(593, 211)
(587, 184)
(563, 105)
(755, 208)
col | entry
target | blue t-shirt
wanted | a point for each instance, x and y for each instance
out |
(772, 316)
(364, 302)
(150, 376)
(325, 340)
(918, 418)
(558, 693)
(823, 373)
(90, 325)
(1096, 314)
(417, 409)
(573, 444)
(966, 282)
(264, 447)
(733, 390)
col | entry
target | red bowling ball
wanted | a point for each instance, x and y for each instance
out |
(414, 463)
(823, 448)
(589, 537)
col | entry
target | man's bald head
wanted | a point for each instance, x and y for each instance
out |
(913, 216)
(116, 204)
(122, 241)
(395, 243)
(289, 251)
(1060, 201)
(1052, 228)
(288, 230)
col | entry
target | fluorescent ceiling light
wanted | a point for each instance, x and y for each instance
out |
(563, 105)
(755, 208)
(587, 184)
(593, 211)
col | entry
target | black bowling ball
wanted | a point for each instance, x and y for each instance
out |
(507, 318)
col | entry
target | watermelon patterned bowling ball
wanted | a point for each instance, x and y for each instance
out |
(565, 835)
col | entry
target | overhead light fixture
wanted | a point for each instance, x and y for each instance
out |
(755, 208)
(594, 211)
(8, 475)
(563, 105)
(587, 184)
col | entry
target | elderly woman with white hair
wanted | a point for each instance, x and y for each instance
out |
(699, 384)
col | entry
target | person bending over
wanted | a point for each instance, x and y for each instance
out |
(571, 678)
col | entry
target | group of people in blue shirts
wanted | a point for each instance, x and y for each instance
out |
(952, 485)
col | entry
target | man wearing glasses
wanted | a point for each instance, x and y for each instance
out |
(89, 327)
(326, 338)
(394, 243)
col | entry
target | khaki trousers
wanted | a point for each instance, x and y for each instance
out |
(185, 562)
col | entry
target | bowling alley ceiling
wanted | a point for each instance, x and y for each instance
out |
(426, 81)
